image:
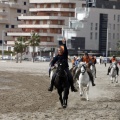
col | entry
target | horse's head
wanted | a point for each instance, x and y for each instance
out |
(61, 68)
(83, 67)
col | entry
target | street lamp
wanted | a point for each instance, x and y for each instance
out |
(3, 44)
(78, 50)
(110, 51)
(107, 44)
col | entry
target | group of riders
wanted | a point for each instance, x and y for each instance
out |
(63, 55)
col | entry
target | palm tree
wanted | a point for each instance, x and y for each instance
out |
(19, 47)
(34, 41)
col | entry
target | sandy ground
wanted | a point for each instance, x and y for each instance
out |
(24, 95)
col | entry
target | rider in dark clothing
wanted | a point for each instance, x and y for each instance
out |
(62, 55)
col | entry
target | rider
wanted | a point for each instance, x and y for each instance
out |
(86, 58)
(93, 59)
(111, 61)
(62, 55)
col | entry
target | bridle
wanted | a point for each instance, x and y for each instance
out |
(83, 69)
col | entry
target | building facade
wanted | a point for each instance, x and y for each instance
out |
(9, 12)
(100, 29)
(47, 18)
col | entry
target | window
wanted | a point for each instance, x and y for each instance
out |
(109, 36)
(18, 11)
(59, 22)
(96, 36)
(114, 17)
(114, 6)
(96, 26)
(109, 26)
(45, 6)
(38, 6)
(12, 26)
(24, 11)
(118, 27)
(91, 35)
(91, 26)
(70, 5)
(118, 18)
(113, 26)
(48, 22)
(58, 30)
(24, 3)
(117, 36)
(6, 26)
(48, 39)
(113, 35)
(41, 22)
(18, 19)
(34, 22)
(70, 14)
(48, 30)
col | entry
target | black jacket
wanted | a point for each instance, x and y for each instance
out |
(61, 58)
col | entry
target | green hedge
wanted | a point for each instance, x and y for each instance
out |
(7, 52)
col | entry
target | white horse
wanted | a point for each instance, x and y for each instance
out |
(93, 70)
(84, 80)
(113, 73)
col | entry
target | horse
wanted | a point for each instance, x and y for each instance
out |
(113, 73)
(61, 83)
(93, 70)
(84, 80)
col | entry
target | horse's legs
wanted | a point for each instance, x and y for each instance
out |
(60, 96)
(111, 79)
(87, 92)
(65, 97)
(116, 79)
(81, 89)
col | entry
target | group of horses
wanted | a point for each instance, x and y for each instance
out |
(83, 82)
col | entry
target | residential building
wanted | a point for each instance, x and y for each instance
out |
(47, 17)
(94, 30)
(9, 12)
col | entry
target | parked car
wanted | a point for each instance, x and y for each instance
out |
(107, 60)
(6, 57)
(46, 58)
(38, 58)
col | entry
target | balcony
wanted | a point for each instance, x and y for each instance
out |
(40, 26)
(41, 17)
(52, 1)
(29, 34)
(52, 9)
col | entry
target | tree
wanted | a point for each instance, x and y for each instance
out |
(19, 47)
(34, 41)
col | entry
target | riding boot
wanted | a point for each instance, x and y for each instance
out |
(108, 70)
(117, 70)
(76, 76)
(72, 86)
(49, 71)
(52, 83)
(91, 78)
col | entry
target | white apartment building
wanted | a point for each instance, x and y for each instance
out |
(47, 17)
(94, 29)
(9, 12)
